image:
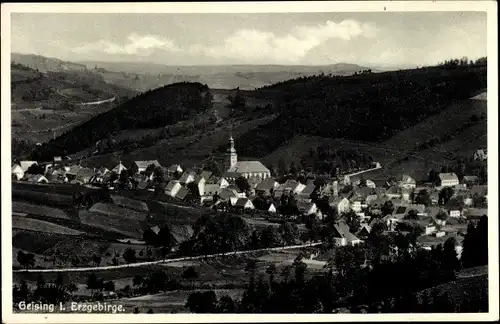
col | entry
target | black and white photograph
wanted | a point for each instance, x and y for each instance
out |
(257, 159)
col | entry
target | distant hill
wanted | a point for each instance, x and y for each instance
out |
(45, 64)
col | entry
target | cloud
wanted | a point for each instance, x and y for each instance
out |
(135, 45)
(250, 45)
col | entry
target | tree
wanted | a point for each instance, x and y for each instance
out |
(150, 311)
(423, 198)
(137, 280)
(352, 221)
(35, 169)
(270, 237)
(289, 233)
(94, 283)
(202, 302)
(129, 255)
(445, 195)
(449, 259)
(237, 103)
(271, 271)
(242, 184)
(165, 237)
(226, 305)
(387, 208)
(412, 215)
(26, 259)
(190, 273)
(96, 259)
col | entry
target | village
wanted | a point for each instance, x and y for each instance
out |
(439, 209)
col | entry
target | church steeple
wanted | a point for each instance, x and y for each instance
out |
(231, 152)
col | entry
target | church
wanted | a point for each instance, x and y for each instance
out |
(246, 169)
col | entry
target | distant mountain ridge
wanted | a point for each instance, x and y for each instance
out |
(142, 76)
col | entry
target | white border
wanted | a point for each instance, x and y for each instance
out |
(250, 7)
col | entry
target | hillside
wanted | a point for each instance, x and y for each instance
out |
(369, 107)
(156, 108)
(43, 102)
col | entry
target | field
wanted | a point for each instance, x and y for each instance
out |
(31, 224)
(36, 209)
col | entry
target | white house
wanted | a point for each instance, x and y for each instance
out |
(36, 178)
(187, 177)
(119, 168)
(173, 188)
(341, 204)
(25, 165)
(407, 182)
(343, 237)
(244, 203)
(174, 168)
(307, 208)
(223, 183)
(141, 166)
(448, 179)
(200, 183)
(17, 171)
(272, 208)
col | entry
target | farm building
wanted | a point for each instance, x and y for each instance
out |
(448, 179)
(141, 166)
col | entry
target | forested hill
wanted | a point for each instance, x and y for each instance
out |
(154, 108)
(369, 106)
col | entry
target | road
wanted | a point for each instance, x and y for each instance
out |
(142, 264)
(97, 102)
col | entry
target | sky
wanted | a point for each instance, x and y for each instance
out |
(369, 39)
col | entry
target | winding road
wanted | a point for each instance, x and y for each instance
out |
(142, 264)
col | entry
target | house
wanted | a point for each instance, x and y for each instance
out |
(427, 224)
(378, 202)
(341, 204)
(223, 183)
(211, 189)
(356, 204)
(306, 208)
(266, 187)
(330, 189)
(231, 195)
(290, 186)
(173, 188)
(271, 208)
(173, 169)
(141, 166)
(206, 175)
(25, 165)
(306, 193)
(440, 215)
(199, 181)
(245, 169)
(182, 193)
(407, 182)
(119, 168)
(57, 176)
(470, 180)
(406, 193)
(476, 213)
(36, 178)
(364, 231)
(479, 190)
(448, 179)
(393, 192)
(343, 237)
(244, 203)
(85, 175)
(480, 155)
(17, 172)
(370, 184)
(187, 177)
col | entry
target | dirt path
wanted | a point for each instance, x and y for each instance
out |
(142, 264)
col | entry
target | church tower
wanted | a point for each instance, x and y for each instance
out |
(232, 157)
